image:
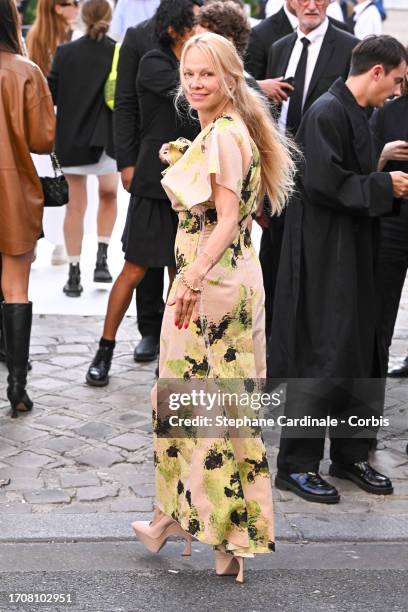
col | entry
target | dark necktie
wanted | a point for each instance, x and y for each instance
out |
(294, 116)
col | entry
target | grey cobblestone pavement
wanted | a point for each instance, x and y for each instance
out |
(87, 450)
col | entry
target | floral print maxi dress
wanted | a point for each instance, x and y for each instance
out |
(218, 489)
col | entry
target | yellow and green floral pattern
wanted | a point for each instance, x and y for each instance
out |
(218, 489)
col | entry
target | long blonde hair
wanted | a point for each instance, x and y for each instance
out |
(47, 32)
(277, 153)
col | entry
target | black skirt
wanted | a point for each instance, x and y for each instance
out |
(150, 232)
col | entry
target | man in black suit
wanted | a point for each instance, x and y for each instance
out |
(326, 56)
(314, 55)
(269, 31)
(149, 294)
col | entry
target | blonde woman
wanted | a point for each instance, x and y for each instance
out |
(217, 490)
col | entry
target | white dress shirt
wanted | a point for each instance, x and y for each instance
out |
(316, 40)
(129, 13)
(367, 20)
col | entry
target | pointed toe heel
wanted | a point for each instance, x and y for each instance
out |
(155, 534)
(229, 565)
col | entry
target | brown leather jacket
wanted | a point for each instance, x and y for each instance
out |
(27, 124)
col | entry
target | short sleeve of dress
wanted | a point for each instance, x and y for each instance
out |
(218, 152)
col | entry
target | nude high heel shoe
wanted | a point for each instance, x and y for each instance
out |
(155, 534)
(229, 565)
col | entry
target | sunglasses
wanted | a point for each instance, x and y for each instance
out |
(75, 3)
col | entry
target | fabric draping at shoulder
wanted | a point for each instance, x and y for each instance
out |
(216, 150)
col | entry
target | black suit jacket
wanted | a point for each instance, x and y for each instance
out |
(77, 80)
(138, 41)
(264, 35)
(156, 84)
(333, 61)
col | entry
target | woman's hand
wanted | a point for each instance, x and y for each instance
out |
(186, 301)
(164, 153)
(396, 150)
(126, 174)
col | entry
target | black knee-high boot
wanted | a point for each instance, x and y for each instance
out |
(2, 347)
(17, 320)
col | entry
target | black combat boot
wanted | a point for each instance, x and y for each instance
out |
(101, 272)
(73, 287)
(98, 372)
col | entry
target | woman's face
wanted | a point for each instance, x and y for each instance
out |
(68, 10)
(200, 83)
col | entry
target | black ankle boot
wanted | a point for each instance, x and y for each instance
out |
(98, 371)
(17, 320)
(73, 287)
(101, 272)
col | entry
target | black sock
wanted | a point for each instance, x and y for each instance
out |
(104, 342)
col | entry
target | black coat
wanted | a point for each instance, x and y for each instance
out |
(333, 61)
(156, 84)
(264, 35)
(138, 41)
(324, 322)
(84, 122)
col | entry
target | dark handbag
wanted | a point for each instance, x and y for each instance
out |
(55, 188)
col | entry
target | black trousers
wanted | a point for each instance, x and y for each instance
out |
(150, 303)
(269, 255)
(302, 448)
(392, 271)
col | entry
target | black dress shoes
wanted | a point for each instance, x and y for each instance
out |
(400, 371)
(308, 485)
(147, 349)
(364, 476)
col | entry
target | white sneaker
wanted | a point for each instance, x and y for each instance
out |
(59, 255)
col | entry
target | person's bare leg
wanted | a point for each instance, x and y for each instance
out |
(15, 277)
(120, 297)
(107, 209)
(74, 215)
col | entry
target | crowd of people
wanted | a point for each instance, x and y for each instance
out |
(296, 124)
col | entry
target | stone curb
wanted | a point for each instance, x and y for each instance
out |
(103, 527)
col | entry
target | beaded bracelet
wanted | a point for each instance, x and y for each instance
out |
(189, 285)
